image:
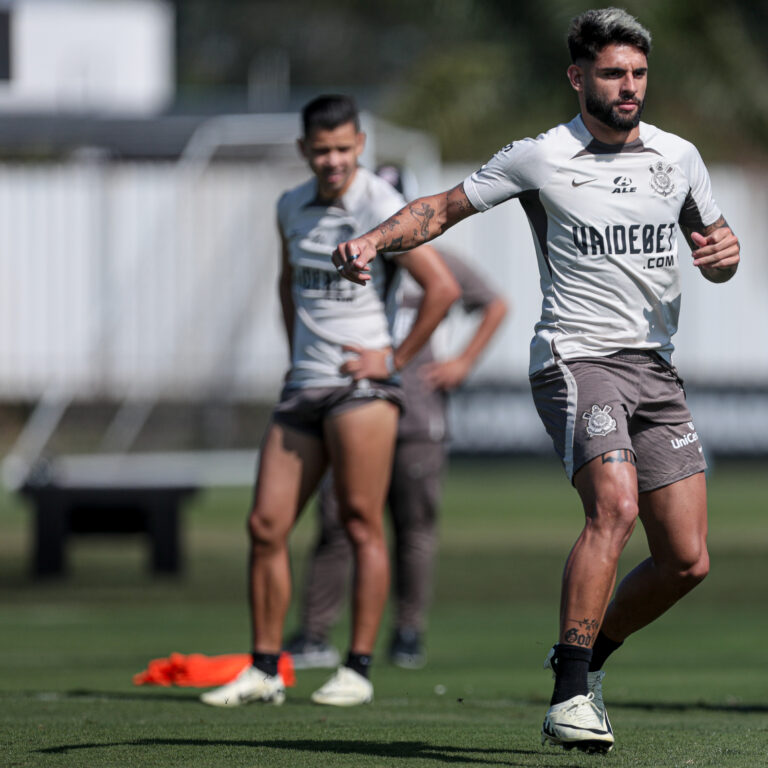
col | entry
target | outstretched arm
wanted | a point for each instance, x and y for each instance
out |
(715, 251)
(416, 223)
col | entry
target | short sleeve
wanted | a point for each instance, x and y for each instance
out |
(700, 209)
(516, 168)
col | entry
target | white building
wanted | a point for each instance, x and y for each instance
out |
(111, 57)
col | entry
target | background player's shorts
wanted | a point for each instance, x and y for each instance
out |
(628, 400)
(307, 409)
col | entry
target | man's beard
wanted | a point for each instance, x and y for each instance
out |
(605, 113)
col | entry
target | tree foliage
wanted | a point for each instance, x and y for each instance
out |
(479, 73)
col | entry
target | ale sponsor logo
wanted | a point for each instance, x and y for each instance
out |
(622, 185)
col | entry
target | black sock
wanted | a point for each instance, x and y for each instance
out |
(360, 662)
(570, 664)
(601, 650)
(266, 662)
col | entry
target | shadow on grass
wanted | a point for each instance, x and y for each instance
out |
(192, 695)
(163, 694)
(689, 706)
(394, 749)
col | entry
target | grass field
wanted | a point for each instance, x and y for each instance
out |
(692, 690)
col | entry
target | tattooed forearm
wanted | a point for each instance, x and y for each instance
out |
(423, 213)
(623, 456)
(390, 224)
(462, 207)
(393, 230)
(390, 242)
(721, 222)
(423, 220)
(583, 633)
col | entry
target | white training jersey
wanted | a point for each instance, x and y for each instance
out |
(604, 220)
(331, 311)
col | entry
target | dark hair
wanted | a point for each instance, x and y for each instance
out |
(590, 32)
(329, 112)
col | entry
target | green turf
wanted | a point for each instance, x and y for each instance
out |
(688, 691)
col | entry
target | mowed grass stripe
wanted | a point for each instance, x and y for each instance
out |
(689, 690)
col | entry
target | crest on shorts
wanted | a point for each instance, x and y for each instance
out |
(599, 421)
(661, 181)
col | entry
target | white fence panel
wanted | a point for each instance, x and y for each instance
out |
(140, 281)
(722, 336)
(160, 281)
(50, 269)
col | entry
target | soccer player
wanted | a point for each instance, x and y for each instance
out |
(340, 403)
(606, 195)
(414, 492)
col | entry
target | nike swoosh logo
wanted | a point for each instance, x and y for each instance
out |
(575, 183)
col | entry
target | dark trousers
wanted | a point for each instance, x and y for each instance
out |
(412, 500)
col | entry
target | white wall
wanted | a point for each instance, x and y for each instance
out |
(151, 280)
(105, 56)
(139, 280)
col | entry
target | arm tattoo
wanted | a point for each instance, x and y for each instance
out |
(464, 207)
(721, 222)
(425, 213)
(623, 456)
(390, 225)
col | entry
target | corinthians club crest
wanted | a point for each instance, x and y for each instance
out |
(660, 178)
(599, 421)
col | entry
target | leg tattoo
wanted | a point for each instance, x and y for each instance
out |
(583, 634)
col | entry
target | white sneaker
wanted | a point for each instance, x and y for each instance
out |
(346, 688)
(578, 723)
(250, 685)
(594, 685)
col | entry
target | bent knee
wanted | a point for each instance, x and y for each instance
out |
(688, 572)
(265, 532)
(696, 572)
(615, 516)
(362, 528)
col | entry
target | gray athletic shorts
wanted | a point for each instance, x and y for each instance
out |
(629, 400)
(307, 409)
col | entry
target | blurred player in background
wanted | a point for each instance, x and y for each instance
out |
(414, 492)
(340, 403)
(605, 195)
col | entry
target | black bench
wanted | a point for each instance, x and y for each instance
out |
(123, 494)
(72, 510)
